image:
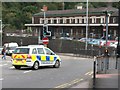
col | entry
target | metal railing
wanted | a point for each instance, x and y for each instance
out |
(100, 65)
(103, 63)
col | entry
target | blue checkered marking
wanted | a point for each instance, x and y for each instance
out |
(39, 58)
(55, 58)
(47, 58)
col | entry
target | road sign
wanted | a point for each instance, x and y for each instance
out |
(45, 40)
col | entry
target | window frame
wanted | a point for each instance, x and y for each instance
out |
(36, 51)
(42, 49)
(52, 53)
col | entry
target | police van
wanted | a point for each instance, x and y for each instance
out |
(34, 56)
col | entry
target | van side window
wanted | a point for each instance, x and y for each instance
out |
(40, 51)
(34, 51)
(48, 52)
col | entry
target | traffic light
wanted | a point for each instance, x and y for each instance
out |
(46, 33)
(106, 53)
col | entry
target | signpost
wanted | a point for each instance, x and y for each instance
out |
(45, 40)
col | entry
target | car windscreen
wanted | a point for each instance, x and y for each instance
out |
(21, 51)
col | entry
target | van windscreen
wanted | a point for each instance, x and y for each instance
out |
(21, 51)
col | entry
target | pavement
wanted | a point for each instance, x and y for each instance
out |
(108, 80)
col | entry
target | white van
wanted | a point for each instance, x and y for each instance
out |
(34, 56)
(10, 47)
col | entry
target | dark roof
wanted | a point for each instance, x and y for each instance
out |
(71, 12)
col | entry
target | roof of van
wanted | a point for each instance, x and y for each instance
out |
(30, 46)
(10, 44)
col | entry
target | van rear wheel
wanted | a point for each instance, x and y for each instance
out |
(36, 66)
(17, 67)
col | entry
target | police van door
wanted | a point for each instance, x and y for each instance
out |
(50, 56)
(41, 57)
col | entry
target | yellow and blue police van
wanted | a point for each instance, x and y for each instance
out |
(34, 56)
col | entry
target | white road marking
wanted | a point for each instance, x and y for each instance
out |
(3, 65)
(9, 61)
(87, 73)
(90, 73)
(1, 79)
(12, 67)
(27, 71)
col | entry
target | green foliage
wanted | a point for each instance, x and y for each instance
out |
(116, 4)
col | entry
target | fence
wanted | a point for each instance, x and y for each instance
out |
(61, 46)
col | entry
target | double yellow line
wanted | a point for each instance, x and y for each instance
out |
(69, 84)
(66, 85)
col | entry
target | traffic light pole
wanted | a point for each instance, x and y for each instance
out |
(119, 26)
(40, 32)
(44, 18)
(106, 13)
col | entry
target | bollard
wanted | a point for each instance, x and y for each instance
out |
(116, 66)
(94, 71)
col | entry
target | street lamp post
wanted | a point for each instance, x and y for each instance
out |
(1, 32)
(106, 13)
(86, 26)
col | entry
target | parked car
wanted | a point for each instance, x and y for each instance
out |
(84, 40)
(66, 38)
(95, 42)
(1, 48)
(110, 42)
(10, 47)
(114, 44)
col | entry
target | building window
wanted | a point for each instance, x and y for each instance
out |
(32, 20)
(102, 19)
(55, 21)
(85, 19)
(52, 21)
(49, 20)
(76, 20)
(73, 20)
(93, 19)
(70, 19)
(46, 21)
(80, 20)
(64, 20)
(58, 20)
(114, 20)
(67, 21)
(41, 20)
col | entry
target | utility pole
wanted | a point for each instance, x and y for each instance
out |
(40, 36)
(118, 45)
(1, 32)
(86, 45)
(106, 14)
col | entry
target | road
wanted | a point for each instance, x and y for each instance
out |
(73, 70)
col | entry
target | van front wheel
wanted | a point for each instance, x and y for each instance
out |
(57, 64)
(35, 66)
